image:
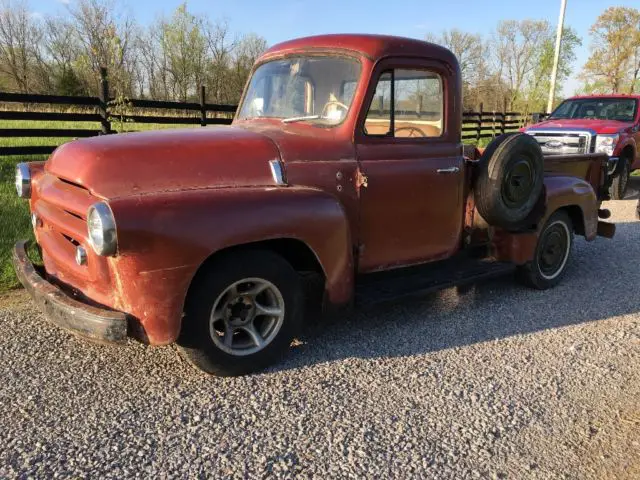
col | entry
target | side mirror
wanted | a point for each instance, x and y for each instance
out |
(535, 117)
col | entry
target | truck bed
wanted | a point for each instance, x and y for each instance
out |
(591, 167)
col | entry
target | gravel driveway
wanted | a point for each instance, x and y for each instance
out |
(498, 382)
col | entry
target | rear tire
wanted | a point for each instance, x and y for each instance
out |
(242, 313)
(510, 180)
(618, 188)
(552, 254)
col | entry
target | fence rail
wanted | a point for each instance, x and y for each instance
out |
(476, 125)
(489, 124)
(103, 110)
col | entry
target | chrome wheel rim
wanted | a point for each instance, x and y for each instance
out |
(246, 317)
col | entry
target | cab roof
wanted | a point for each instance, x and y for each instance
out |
(374, 47)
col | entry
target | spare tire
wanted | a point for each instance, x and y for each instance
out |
(510, 180)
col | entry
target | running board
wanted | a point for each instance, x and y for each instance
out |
(388, 286)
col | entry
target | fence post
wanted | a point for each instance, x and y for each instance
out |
(104, 102)
(493, 124)
(203, 106)
(479, 129)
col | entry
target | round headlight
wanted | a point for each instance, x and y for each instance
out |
(23, 180)
(101, 228)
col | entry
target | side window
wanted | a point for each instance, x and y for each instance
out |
(416, 101)
(419, 103)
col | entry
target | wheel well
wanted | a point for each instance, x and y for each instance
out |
(577, 218)
(296, 252)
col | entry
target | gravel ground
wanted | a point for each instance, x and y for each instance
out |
(498, 382)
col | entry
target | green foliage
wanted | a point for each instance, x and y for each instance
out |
(537, 91)
(68, 83)
(614, 63)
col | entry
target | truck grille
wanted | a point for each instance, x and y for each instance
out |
(563, 143)
(60, 206)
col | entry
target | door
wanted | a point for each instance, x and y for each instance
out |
(408, 148)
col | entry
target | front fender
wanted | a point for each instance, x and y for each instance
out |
(163, 239)
(567, 191)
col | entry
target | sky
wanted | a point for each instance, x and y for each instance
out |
(279, 20)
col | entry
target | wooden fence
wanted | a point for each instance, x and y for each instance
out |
(480, 125)
(476, 125)
(103, 110)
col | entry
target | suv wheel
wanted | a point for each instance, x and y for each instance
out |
(552, 253)
(242, 314)
(620, 182)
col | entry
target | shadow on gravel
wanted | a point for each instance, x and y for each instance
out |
(599, 284)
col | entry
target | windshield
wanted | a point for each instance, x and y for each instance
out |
(311, 89)
(621, 109)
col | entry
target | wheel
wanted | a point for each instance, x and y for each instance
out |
(510, 180)
(551, 255)
(618, 188)
(242, 313)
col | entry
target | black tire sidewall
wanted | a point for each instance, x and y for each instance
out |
(498, 159)
(195, 341)
(531, 273)
(618, 191)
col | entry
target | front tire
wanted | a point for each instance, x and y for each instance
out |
(552, 254)
(618, 188)
(242, 313)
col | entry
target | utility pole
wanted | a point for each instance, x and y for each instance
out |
(556, 57)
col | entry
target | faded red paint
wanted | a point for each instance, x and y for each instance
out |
(180, 196)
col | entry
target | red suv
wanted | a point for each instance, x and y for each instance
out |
(595, 124)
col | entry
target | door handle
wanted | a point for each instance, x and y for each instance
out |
(448, 170)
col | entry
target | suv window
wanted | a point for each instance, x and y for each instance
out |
(407, 103)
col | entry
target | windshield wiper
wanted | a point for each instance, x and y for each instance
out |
(300, 119)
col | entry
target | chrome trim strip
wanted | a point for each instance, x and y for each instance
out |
(277, 173)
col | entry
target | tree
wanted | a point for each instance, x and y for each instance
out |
(518, 48)
(470, 50)
(184, 44)
(20, 36)
(614, 62)
(105, 37)
(537, 90)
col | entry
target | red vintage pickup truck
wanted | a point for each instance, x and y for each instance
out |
(343, 180)
(596, 124)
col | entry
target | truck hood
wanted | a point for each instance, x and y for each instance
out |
(598, 126)
(113, 166)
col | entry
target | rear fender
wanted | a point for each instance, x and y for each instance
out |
(572, 192)
(164, 238)
(562, 192)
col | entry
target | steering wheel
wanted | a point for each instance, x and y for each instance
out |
(336, 103)
(412, 131)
